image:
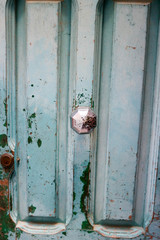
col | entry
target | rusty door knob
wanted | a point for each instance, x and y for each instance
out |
(83, 120)
(7, 160)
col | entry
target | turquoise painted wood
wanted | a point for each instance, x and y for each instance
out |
(60, 55)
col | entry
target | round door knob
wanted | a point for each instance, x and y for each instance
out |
(83, 120)
(7, 160)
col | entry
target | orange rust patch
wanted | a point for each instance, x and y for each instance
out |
(2, 209)
(4, 182)
(5, 222)
(130, 47)
(130, 217)
(111, 200)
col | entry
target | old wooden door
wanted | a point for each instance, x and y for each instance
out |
(79, 97)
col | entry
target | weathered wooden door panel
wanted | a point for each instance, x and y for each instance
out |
(61, 55)
(38, 71)
(124, 151)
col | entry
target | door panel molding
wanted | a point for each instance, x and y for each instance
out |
(141, 2)
(37, 84)
(132, 63)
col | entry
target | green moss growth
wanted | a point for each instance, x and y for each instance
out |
(85, 196)
(85, 190)
(64, 233)
(18, 233)
(86, 225)
(3, 140)
(31, 209)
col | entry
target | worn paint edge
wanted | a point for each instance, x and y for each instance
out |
(133, 2)
(38, 228)
(154, 146)
(44, 1)
(118, 232)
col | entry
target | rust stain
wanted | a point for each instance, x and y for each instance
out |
(146, 230)
(111, 200)
(4, 182)
(130, 217)
(130, 47)
(2, 209)
(7, 161)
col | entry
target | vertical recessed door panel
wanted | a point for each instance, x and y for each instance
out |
(121, 146)
(40, 59)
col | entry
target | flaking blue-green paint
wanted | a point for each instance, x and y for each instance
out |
(78, 234)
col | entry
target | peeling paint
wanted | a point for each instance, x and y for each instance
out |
(5, 108)
(64, 233)
(6, 224)
(29, 140)
(92, 102)
(39, 142)
(75, 105)
(74, 197)
(18, 233)
(33, 115)
(3, 140)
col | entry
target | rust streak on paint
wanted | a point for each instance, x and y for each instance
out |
(2, 209)
(4, 182)
(130, 47)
